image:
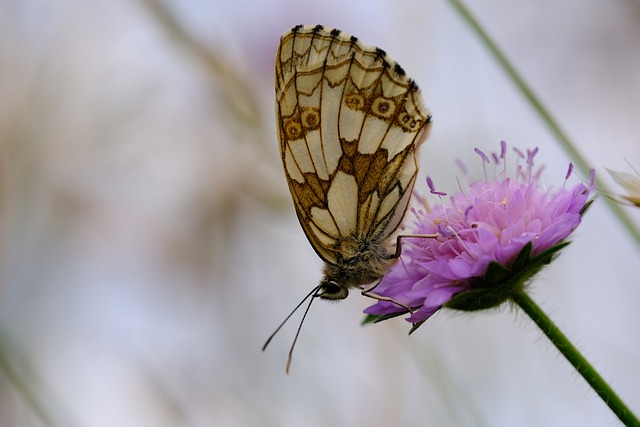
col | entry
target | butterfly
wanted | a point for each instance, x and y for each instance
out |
(350, 122)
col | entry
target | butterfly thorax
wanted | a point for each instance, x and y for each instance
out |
(362, 262)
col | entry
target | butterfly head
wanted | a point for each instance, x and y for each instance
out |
(368, 262)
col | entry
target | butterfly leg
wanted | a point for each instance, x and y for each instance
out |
(368, 292)
(410, 236)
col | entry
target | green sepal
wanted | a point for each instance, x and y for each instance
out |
(375, 318)
(370, 318)
(415, 326)
(500, 282)
(586, 207)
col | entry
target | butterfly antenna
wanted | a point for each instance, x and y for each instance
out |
(304, 316)
(314, 290)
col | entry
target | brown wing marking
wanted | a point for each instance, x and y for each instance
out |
(346, 109)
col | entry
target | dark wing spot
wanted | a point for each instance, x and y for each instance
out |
(380, 53)
(318, 28)
(382, 107)
(355, 101)
(335, 32)
(297, 28)
(353, 39)
(311, 118)
(292, 129)
(399, 70)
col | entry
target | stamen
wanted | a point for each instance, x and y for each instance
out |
(519, 173)
(482, 155)
(538, 174)
(569, 172)
(466, 212)
(531, 154)
(503, 156)
(485, 160)
(463, 168)
(433, 188)
(592, 179)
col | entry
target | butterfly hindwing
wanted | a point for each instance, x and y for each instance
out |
(349, 123)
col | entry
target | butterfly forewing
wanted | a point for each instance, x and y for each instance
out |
(349, 123)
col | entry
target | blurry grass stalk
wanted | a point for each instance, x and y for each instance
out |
(560, 341)
(19, 374)
(233, 86)
(562, 138)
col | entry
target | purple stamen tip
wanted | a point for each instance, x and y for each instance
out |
(432, 187)
(430, 184)
(503, 149)
(531, 154)
(482, 155)
(569, 171)
(519, 153)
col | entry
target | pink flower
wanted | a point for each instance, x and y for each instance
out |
(492, 239)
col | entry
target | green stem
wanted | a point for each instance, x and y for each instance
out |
(15, 368)
(560, 135)
(576, 359)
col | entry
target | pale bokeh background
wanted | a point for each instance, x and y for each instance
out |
(148, 244)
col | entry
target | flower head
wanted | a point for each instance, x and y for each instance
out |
(631, 183)
(491, 239)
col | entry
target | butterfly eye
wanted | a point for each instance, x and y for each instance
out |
(332, 290)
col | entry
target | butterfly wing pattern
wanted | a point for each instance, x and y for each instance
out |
(350, 123)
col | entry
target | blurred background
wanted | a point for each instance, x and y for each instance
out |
(149, 246)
